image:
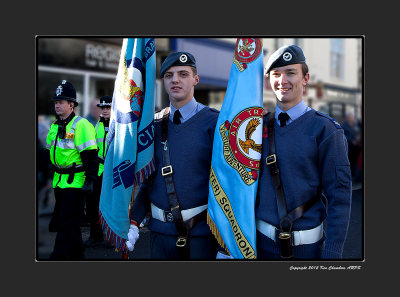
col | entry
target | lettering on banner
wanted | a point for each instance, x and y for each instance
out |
(244, 246)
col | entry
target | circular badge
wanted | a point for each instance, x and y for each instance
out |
(247, 49)
(245, 137)
(287, 56)
(183, 58)
(59, 90)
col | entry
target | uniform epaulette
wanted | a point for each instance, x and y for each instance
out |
(158, 115)
(337, 125)
(214, 110)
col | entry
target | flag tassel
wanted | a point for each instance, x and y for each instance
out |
(145, 172)
(117, 241)
(215, 232)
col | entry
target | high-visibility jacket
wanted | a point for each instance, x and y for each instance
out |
(101, 135)
(65, 153)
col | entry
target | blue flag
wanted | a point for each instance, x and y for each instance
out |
(237, 152)
(130, 140)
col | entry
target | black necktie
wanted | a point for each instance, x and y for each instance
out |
(283, 117)
(177, 116)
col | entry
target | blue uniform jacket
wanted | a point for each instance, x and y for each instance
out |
(312, 156)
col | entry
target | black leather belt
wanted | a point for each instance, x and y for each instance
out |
(69, 170)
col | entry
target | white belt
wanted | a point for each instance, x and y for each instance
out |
(299, 237)
(166, 216)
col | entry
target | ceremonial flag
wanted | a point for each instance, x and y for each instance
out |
(237, 152)
(130, 140)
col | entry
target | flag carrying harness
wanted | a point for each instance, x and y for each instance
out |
(286, 219)
(183, 227)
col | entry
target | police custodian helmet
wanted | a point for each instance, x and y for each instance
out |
(105, 101)
(177, 59)
(66, 91)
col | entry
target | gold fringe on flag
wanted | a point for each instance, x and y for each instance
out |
(215, 232)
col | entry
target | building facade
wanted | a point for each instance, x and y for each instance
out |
(91, 65)
(336, 73)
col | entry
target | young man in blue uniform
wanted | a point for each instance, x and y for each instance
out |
(311, 160)
(185, 135)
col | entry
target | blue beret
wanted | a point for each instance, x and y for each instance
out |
(177, 59)
(66, 91)
(286, 55)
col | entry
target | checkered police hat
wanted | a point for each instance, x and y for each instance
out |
(286, 55)
(105, 101)
(66, 91)
(177, 59)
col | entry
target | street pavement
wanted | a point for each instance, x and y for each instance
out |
(353, 249)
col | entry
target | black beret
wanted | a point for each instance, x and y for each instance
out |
(105, 101)
(66, 91)
(177, 59)
(286, 55)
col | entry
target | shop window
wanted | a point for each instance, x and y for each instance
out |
(337, 58)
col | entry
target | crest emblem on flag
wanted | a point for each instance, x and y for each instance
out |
(136, 98)
(246, 51)
(242, 143)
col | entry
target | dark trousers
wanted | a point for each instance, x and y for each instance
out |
(92, 209)
(66, 218)
(200, 247)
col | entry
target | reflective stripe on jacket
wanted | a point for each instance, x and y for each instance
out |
(65, 153)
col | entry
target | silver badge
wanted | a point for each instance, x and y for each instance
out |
(287, 56)
(59, 90)
(64, 81)
(183, 58)
(169, 217)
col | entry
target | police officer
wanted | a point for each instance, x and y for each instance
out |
(178, 190)
(73, 153)
(92, 203)
(305, 176)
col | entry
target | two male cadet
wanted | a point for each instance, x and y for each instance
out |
(73, 153)
(311, 154)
